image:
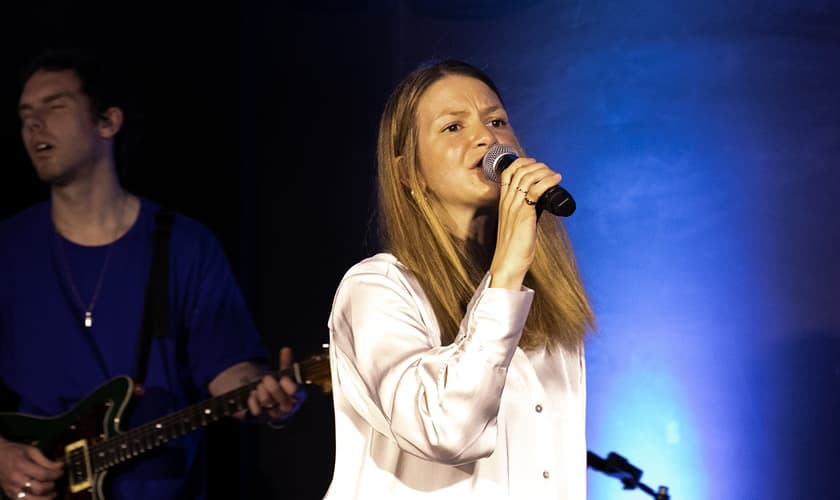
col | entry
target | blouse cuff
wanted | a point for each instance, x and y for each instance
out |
(495, 320)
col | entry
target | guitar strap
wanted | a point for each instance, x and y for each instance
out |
(156, 308)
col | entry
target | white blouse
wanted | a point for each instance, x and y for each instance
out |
(478, 418)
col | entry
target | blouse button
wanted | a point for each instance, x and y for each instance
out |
(545, 474)
(538, 408)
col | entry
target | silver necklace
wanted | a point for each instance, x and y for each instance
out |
(87, 321)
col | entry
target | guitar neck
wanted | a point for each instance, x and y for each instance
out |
(126, 445)
(146, 437)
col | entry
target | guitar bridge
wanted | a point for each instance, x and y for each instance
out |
(78, 465)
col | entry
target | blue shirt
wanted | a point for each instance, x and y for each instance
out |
(52, 361)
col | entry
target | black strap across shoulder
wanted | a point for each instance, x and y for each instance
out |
(156, 308)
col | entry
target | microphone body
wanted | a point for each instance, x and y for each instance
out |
(556, 200)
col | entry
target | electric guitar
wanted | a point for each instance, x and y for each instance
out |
(89, 440)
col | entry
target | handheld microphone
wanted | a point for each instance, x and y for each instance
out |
(556, 200)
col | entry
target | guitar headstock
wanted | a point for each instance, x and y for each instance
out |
(315, 369)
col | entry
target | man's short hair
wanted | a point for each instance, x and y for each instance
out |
(103, 84)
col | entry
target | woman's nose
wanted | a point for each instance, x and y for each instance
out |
(485, 136)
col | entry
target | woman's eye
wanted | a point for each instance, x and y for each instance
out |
(453, 128)
(498, 122)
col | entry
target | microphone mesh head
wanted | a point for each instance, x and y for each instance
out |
(490, 164)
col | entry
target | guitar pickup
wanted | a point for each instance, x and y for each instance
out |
(77, 456)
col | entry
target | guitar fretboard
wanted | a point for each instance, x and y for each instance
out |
(134, 442)
(129, 444)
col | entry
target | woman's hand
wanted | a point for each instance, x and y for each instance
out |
(522, 184)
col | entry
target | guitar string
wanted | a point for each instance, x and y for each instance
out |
(122, 441)
(120, 445)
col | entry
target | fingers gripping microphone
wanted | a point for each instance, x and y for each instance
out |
(556, 200)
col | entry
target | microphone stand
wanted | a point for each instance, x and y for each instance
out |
(618, 467)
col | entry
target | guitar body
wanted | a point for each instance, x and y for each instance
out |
(89, 441)
(69, 436)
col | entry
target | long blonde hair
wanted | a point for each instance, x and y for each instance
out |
(560, 314)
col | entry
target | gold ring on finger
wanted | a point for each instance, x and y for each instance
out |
(529, 201)
(523, 191)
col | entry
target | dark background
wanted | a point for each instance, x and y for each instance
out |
(700, 140)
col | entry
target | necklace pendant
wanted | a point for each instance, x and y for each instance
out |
(88, 319)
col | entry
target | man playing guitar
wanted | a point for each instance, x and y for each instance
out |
(73, 275)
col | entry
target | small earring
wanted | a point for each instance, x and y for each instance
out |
(418, 196)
